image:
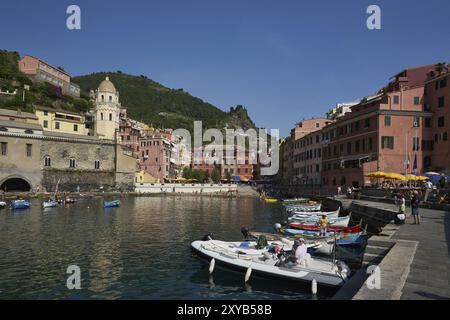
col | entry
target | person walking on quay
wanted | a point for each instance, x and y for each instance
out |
(415, 203)
(401, 216)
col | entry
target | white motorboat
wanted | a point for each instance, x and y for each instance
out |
(266, 264)
(2, 204)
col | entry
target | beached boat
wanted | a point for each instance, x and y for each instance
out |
(112, 204)
(19, 204)
(270, 265)
(50, 204)
(314, 220)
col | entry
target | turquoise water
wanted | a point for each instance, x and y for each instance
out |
(138, 251)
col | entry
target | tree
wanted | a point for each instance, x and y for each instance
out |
(207, 176)
(215, 176)
(187, 173)
(228, 176)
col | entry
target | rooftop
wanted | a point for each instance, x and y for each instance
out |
(17, 114)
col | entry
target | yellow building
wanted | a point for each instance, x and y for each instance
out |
(144, 177)
(62, 121)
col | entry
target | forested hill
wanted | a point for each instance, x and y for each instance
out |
(151, 102)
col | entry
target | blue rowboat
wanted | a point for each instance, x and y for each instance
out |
(112, 204)
(19, 204)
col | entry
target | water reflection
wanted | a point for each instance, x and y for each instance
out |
(138, 251)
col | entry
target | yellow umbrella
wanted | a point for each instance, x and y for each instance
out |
(422, 178)
(395, 176)
(377, 174)
(411, 177)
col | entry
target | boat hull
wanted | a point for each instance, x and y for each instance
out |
(268, 272)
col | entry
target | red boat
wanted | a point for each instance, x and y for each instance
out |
(299, 226)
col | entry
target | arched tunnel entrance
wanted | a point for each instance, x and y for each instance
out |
(15, 184)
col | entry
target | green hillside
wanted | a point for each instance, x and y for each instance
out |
(145, 99)
(44, 94)
(150, 102)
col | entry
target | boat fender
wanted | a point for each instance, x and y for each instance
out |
(212, 265)
(314, 287)
(248, 274)
(277, 226)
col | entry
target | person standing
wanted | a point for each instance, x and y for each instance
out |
(401, 216)
(323, 224)
(415, 203)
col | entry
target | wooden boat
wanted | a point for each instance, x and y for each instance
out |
(314, 220)
(50, 204)
(300, 226)
(303, 208)
(19, 204)
(268, 265)
(112, 204)
(303, 215)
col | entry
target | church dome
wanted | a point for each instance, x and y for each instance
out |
(107, 86)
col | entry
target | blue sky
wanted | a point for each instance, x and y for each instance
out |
(283, 60)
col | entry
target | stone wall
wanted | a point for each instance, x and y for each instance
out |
(87, 180)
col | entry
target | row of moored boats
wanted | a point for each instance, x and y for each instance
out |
(265, 254)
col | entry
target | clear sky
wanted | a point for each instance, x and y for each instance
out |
(284, 60)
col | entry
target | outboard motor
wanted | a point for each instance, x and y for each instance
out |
(343, 270)
(208, 237)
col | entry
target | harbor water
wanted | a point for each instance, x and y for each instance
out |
(140, 250)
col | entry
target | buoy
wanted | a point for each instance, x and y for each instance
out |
(314, 287)
(211, 265)
(248, 274)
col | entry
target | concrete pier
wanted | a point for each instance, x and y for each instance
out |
(417, 264)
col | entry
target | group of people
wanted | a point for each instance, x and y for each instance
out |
(415, 206)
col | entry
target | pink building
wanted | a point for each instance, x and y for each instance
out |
(383, 132)
(40, 71)
(437, 101)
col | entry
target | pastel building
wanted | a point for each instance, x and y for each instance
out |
(303, 154)
(437, 101)
(60, 121)
(383, 132)
(41, 71)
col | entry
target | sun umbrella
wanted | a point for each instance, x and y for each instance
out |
(395, 176)
(377, 174)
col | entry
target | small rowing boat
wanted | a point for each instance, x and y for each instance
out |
(306, 215)
(314, 220)
(19, 204)
(50, 204)
(300, 226)
(112, 204)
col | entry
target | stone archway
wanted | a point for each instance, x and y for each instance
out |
(15, 183)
